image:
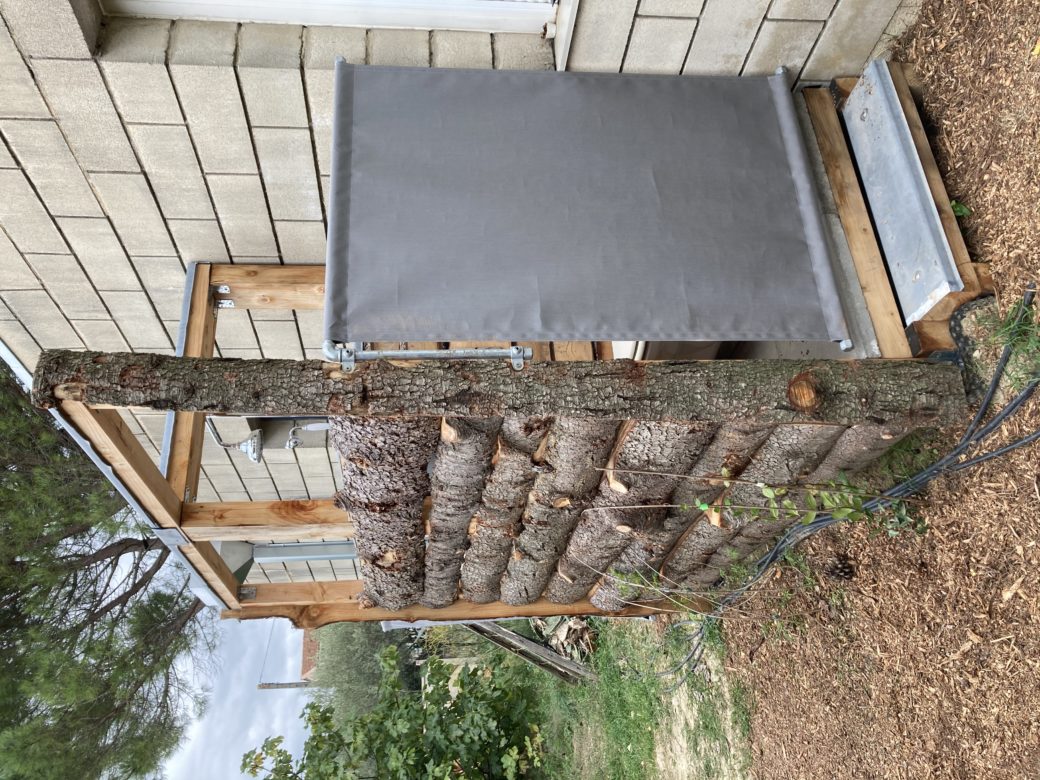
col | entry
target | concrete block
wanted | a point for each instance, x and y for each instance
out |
(260, 489)
(102, 335)
(198, 240)
(311, 324)
(132, 209)
(81, 104)
(20, 342)
(268, 61)
(601, 34)
(287, 163)
(457, 49)
(68, 286)
(242, 211)
(15, 273)
(724, 36)
(301, 242)
(849, 37)
(66, 29)
(278, 454)
(326, 189)
(659, 45)
(902, 20)
(42, 319)
(46, 159)
(22, 215)
(409, 48)
(681, 8)
(224, 478)
(520, 51)
(817, 10)
(205, 492)
(235, 331)
(163, 279)
(5, 313)
(321, 46)
(201, 61)
(279, 339)
(135, 316)
(95, 244)
(133, 60)
(286, 477)
(271, 314)
(19, 96)
(782, 43)
(6, 160)
(168, 158)
(243, 354)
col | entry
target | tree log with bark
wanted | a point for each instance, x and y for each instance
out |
(501, 507)
(385, 482)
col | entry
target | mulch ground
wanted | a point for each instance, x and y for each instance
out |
(927, 662)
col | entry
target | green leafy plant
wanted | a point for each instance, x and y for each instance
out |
(959, 209)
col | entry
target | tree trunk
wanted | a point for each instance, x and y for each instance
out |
(728, 453)
(501, 506)
(576, 450)
(767, 391)
(858, 447)
(462, 462)
(385, 481)
(607, 527)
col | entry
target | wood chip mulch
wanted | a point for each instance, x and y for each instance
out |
(926, 663)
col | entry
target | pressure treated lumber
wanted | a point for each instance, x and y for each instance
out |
(263, 286)
(278, 521)
(848, 392)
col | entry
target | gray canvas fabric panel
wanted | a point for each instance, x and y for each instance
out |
(495, 205)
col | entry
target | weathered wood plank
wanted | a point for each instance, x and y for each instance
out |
(845, 392)
(273, 520)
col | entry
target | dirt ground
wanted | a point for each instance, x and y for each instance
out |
(926, 663)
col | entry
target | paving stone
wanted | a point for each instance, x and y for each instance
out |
(235, 331)
(132, 209)
(279, 339)
(46, 159)
(102, 335)
(261, 489)
(82, 106)
(311, 324)
(321, 46)
(163, 279)
(301, 242)
(95, 244)
(135, 316)
(902, 20)
(198, 240)
(133, 59)
(19, 96)
(287, 477)
(42, 319)
(409, 48)
(242, 354)
(724, 36)
(201, 61)
(15, 273)
(54, 28)
(22, 215)
(69, 286)
(849, 37)
(6, 160)
(782, 43)
(20, 342)
(601, 34)
(271, 314)
(287, 163)
(659, 45)
(458, 49)
(242, 211)
(169, 160)
(817, 10)
(689, 8)
(268, 60)
(522, 51)
(224, 478)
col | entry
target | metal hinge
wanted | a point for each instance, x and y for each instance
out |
(347, 355)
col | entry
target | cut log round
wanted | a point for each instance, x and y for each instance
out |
(501, 507)
(575, 453)
(385, 481)
(462, 462)
(858, 447)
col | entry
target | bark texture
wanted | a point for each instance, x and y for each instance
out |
(385, 481)
(608, 527)
(501, 507)
(576, 450)
(729, 453)
(858, 447)
(459, 469)
(845, 392)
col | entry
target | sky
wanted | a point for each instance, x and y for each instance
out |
(240, 717)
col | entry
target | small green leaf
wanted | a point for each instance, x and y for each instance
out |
(959, 209)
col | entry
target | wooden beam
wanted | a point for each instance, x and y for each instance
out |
(572, 350)
(261, 286)
(317, 614)
(855, 219)
(717, 391)
(113, 441)
(185, 457)
(273, 520)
